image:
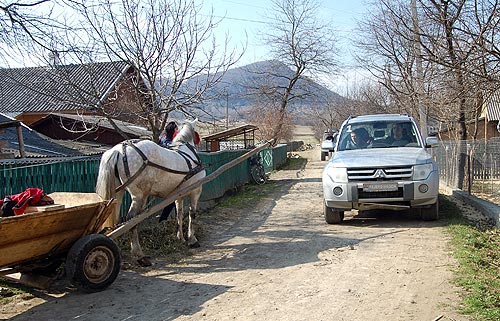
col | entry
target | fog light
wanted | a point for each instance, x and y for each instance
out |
(423, 188)
(337, 191)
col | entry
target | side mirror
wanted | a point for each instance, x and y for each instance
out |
(431, 141)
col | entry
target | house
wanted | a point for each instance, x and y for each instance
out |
(490, 116)
(18, 140)
(487, 123)
(88, 128)
(30, 94)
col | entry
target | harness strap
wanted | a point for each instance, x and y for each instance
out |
(125, 161)
(146, 162)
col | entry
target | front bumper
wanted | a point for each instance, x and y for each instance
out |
(362, 195)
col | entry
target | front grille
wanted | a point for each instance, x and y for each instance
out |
(401, 173)
(392, 194)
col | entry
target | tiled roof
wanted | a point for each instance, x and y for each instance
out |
(59, 88)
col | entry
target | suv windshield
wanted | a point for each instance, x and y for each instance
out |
(379, 134)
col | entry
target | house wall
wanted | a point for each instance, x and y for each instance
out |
(124, 104)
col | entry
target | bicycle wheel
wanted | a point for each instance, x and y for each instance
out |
(258, 174)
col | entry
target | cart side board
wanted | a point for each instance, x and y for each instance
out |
(36, 235)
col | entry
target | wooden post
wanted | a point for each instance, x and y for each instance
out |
(20, 140)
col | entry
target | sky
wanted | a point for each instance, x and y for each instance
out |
(242, 21)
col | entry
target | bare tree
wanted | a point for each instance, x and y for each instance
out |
(301, 42)
(169, 42)
(26, 26)
(451, 41)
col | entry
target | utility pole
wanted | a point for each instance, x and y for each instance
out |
(227, 110)
(420, 74)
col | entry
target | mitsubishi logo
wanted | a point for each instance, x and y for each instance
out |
(379, 174)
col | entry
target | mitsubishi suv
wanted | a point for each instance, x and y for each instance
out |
(381, 162)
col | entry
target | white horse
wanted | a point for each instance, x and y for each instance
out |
(144, 168)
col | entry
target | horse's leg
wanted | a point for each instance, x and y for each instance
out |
(193, 207)
(135, 245)
(180, 219)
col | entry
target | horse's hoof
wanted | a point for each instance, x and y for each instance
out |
(144, 261)
(195, 245)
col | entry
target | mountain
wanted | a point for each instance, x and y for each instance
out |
(241, 88)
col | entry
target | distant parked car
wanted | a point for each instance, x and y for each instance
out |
(381, 162)
(328, 144)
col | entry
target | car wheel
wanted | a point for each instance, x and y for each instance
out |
(430, 213)
(332, 215)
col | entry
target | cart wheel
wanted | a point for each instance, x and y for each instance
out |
(93, 263)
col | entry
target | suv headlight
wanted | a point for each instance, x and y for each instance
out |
(338, 174)
(421, 172)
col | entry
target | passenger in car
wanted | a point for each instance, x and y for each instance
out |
(398, 137)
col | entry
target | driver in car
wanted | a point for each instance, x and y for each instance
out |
(359, 139)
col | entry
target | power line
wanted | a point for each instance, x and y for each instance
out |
(240, 19)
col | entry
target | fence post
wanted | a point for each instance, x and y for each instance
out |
(469, 178)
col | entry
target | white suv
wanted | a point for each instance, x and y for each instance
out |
(328, 143)
(381, 162)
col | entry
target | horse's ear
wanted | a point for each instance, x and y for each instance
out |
(194, 122)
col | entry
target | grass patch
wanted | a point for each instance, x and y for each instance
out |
(478, 254)
(157, 239)
(248, 195)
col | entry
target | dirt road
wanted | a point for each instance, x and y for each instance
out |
(281, 261)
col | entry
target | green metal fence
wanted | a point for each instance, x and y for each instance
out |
(61, 176)
(80, 175)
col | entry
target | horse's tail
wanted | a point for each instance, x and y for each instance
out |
(107, 182)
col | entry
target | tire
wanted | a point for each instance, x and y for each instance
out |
(333, 216)
(430, 213)
(323, 155)
(258, 174)
(93, 263)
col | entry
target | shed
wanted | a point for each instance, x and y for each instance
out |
(242, 137)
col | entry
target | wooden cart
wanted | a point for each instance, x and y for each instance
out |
(38, 242)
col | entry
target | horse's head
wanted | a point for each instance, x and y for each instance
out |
(186, 133)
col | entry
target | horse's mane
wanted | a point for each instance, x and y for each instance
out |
(185, 134)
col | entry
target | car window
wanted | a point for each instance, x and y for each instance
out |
(379, 134)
